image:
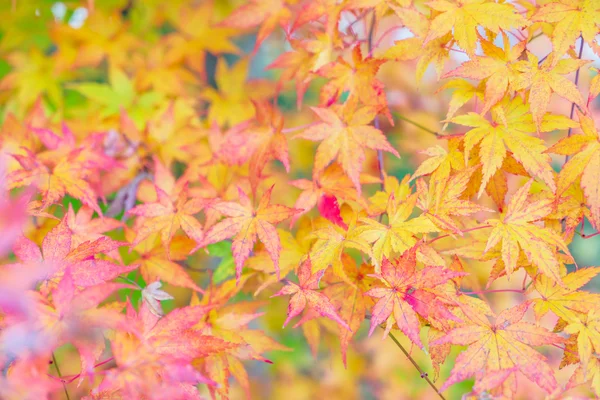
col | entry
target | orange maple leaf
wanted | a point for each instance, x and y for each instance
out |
(407, 293)
(501, 345)
(345, 134)
(358, 79)
(247, 224)
(305, 294)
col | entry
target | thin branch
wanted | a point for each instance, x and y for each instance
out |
(410, 121)
(299, 128)
(380, 165)
(496, 291)
(465, 231)
(576, 83)
(424, 374)
(60, 376)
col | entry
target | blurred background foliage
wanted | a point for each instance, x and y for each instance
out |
(86, 61)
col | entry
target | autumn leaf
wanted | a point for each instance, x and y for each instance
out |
(449, 203)
(570, 19)
(245, 224)
(358, 79)
(494, 67)
(267, 14)
(545, 78)
(305, 294)
(565, 301)
(510, 130)
(407, 293)
(465, 16)
(585, 163)
(344, 137)
(515, 232)
(166, 216)
(503, 344)
(400, 234)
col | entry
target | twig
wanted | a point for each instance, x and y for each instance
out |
(496, 291)
(380, 164)
(576, 83)
(60, 376)
(423, 373)
(465, 231)
(410, 121)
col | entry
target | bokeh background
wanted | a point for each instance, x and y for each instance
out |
(170, 52)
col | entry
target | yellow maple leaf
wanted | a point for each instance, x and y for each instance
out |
(495, 138)
(585, 163)
(546, 78)
(465, 16)
(516, 231)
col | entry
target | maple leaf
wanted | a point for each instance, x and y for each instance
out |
(516, 231)
(166, 217)
(268, 14)
(344, 137)
(546, 78)
(351, 300)
(163, 348)
(585, 163)
(302, 63)
(571, 18)
(441, 161)
(510, 131)
(304, 294)
(407, 293)
(155, 263)
(494, 68)
(565, 301)
(120, 93)
(29, 78)
(68, 175)
(230, 103)
(501, 345)
(57, 251)
(358, 79)
(436, 51)
(86, 228)
(399, 235)
(153, 295)
(197, 34)
(465, 16)
(328, 248)
(247, 224)
(445, 200)
(587, 328)
(393, 192)
(293, 251)
(331, 184)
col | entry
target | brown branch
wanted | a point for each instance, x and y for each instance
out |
(424, 374)
(380, 164)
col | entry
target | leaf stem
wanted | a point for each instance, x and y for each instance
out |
(465, 231)
(496, 291)
(576, 83)
(60, 376)
(410, 121)
(424, 374)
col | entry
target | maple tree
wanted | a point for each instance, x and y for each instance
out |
(416, 182)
